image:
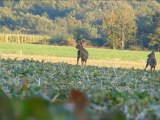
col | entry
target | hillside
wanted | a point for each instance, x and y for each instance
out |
(115, 24)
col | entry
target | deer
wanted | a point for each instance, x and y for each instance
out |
(81, 53)
(151, 61)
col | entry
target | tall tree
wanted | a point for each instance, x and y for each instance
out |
(154, 41)
(119, 25)
(109, 24)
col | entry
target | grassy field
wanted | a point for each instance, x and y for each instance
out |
(63, 51)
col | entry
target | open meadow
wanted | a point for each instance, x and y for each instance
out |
(97, 56)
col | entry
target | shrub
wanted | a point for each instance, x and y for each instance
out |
(136, 48)
(58, 40)
(71, 42)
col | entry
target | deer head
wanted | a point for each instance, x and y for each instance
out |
(152, 54)
(79, 45)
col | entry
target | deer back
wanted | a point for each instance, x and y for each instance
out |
(151, 59)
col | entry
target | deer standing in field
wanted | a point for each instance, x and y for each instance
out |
(81, 53)
(151, 61)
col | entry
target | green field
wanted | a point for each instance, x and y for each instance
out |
(114, 93)
(63, 51)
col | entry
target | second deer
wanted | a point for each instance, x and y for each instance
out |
(151, 61)
(81, 53)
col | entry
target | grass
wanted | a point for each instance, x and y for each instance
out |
(65, 51)
(33, 49)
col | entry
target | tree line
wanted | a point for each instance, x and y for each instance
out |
(114, 24)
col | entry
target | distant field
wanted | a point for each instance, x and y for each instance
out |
(97, 56)
(62, 51)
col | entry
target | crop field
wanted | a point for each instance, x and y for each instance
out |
(113, 93)
(23, 38)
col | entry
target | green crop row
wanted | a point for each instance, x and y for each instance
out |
(114, 93)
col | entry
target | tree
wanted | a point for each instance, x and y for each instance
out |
(119, 25)
(154, 38)
(4, 29)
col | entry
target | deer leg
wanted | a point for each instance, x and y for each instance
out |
(154, 68)
(146, 67)
(85, 62)
(82, 62)
(147, 64)
(77, 60)
(78, 56)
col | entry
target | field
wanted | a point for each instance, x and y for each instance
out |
(97, 56)
(114, 93)
(42, 76)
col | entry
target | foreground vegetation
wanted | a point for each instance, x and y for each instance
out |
(114, 93)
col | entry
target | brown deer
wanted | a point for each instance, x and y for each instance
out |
(151, 61)
(81, 53)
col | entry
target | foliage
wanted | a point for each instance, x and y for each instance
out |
(77, 19)
(136, 48)
(119, 25)
(57, 40)
(154, 37)
(113, 92)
